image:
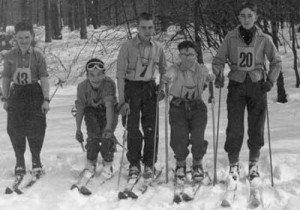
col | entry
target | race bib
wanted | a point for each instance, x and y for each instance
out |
(22, 76)
(144, 71)
(188, 92)
(246, 58)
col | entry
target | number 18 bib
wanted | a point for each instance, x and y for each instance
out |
(246, 58)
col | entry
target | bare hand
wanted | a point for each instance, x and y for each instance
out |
(45, 107)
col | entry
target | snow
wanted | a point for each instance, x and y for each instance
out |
(64, 159)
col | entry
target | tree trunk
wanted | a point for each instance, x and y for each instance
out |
(56, 19)
(129, 34)
(281, 94)
(94, 13)
(4, 14)
(83, 21)
(71, 16)
(48, 34)
(197, 28)
(294, 50)
(27, 10)
(116, 13)
(135, 10)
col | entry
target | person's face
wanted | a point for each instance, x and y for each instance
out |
(247, 18)
(146, 29)
(188, 56)
(95, 77)
(24, 39)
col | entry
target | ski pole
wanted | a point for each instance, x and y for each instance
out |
(166, 130)
(58, 84)
(268, 125)
(82, 147)
(155, 132)
(124, 142)
(269, 139)
(212, 101)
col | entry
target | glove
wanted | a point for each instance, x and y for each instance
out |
(107, 134)
(165, 79)
(219, 82)
(79, 136)
(266, 86)
(124, 108)
(160, 95)
(107, 149)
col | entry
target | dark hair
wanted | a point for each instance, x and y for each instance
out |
(249, 5)
(145, 16)
(24, 26)
(186, 44)
(93, 60)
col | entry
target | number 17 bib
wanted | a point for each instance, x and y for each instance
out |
(246, 58)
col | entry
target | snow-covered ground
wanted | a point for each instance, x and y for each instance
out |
(64, 159)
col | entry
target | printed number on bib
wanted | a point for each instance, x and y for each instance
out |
(246, 58)
(22, 76)
(189, 92)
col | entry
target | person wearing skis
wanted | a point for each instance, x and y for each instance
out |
(245, 49)
(139, 61)
(26, 98)
(96, 102)
(188, 112)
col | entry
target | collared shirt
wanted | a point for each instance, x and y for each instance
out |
(88, 96)
(262, 46)
(15, 59)
(188, 83)
(132, 51)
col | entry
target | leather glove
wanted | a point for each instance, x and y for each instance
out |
(219, 81)
(266, 86)
(79, 136)
(107, 134)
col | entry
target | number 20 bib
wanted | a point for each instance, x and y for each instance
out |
(22, 76)
(246, 58)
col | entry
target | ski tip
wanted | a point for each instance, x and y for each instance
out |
(225, 203)
(186, 197)
(74, 186)
(255, 203)
(122, 195)
(85, 191)
(177, 199)
(132, 195)
(8, 191)
(18, 191)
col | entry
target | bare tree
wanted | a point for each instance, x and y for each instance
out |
(56, 19)
(83, 20)
(48, 34)
(27, 10)
(4, 11)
